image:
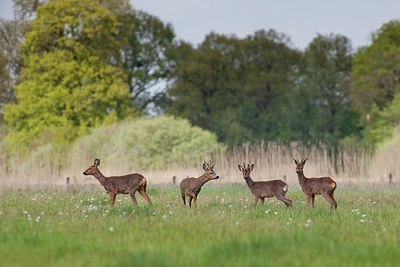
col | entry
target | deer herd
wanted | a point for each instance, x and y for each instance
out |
(190, 187)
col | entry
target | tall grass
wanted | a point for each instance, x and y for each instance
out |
(272, 160)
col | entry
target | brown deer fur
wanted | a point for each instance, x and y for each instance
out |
(265, 189)
(191, 186)
(125, 184)
(324, 186)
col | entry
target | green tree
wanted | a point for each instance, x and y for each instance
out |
(376, 71)
(376, 83)
(147, 57)
(321, 104)
(68, 85)
(234, 87)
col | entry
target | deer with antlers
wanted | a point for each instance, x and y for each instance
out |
(324, 186)
(191, 186)
(125, 184)
(265, 189)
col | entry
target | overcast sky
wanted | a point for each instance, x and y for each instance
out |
(301, 20)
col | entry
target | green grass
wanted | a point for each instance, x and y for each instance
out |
(54, 228)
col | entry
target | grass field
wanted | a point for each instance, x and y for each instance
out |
(58, 228)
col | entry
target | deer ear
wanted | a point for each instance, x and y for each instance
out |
(240, 168)
(205, 166)
(96, 162)
(251, 167)
(295, 161)
(304, 160)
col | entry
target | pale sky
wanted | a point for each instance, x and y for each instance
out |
(301, 20)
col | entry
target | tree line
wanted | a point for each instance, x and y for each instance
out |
(69, 66)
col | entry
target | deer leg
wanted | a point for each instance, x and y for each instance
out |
(312, 200)
(132, 194)
(112, 198)
(330, 199)
(255, 200)
(309, 201)
(262, 200)
(145, 196)
(285, 200)
(190, 201)
(184, 198)
(195, 201)
(334, 201)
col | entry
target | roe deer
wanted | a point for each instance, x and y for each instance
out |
(191, 186)
(125, 184)
(324, 186)
(265, 189)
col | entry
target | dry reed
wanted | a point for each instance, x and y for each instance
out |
(347, 165)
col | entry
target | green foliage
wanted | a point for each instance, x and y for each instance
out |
(376, 70)
(376, 75)
(67, 87)
(234, 86)
(46, 228)
(146, 57)
(155, 143)
(321, 109)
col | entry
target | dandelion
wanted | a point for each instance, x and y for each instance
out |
(237, 223)
(275, 212)
(364, 215)
(111, 229)
(164, 216)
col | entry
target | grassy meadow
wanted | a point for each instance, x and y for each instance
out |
(60, 228)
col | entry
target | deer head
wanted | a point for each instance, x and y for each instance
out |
(300, 166)
(92, 169)
(209, 172)
(246, 171)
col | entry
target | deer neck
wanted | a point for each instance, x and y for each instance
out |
(250, 183)
(302, 178)
(202, 180)
(99, 176)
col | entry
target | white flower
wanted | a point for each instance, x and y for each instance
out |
(111, 229)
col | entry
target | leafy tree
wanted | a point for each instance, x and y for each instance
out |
(321, 102)
(234, 87)
(376, 72)
(11, 35)
(147, 57)
(68, 85)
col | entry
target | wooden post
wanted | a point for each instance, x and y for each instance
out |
(173, 180)
(390, 178)
(67, 182)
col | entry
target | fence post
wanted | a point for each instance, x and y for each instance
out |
(390, 178)
(67, 183)
(173, 180)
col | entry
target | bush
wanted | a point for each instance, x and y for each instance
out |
(149, 143)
